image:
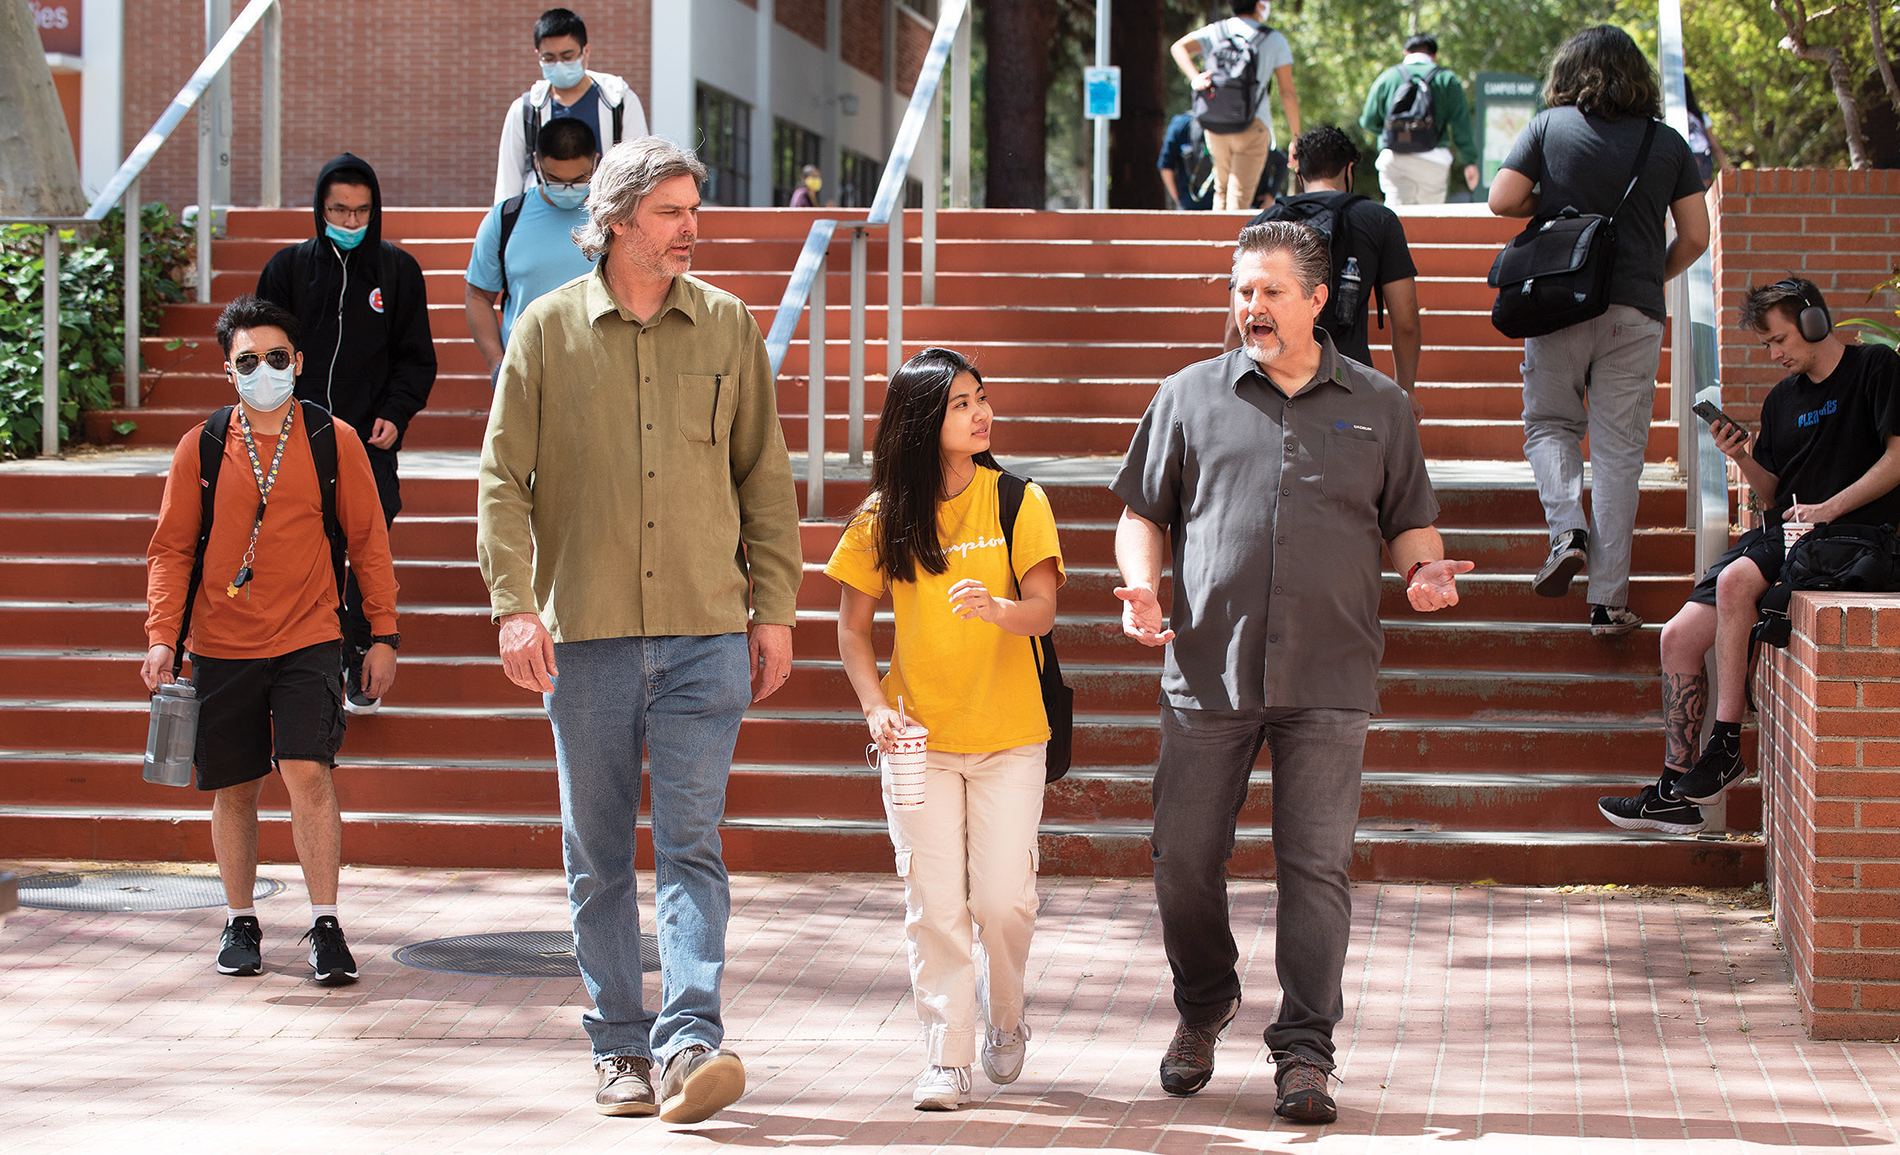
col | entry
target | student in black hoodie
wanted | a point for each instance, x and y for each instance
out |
(368, 355)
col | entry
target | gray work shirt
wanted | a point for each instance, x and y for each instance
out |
(1277, 507)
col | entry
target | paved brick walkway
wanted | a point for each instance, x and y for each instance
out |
(1496, 1019)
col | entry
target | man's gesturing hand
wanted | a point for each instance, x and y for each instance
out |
(1141, 616)
(1435, 585)
(527, 652)
(770, 647)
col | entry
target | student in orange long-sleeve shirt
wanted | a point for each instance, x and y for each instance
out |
(264, 631)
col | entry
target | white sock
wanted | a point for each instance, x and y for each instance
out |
(317, 912)
(231, 912)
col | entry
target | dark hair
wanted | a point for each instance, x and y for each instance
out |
(349, 176)
(1790, 296)
(1423, 42)
(1312, 261)
(565, 138)
(1325, 152)
(1688, 98)
(560, 22)
(907, 463)
(249, 312)
(1602, 72)
(1244, 7)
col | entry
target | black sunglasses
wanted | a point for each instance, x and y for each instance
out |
(278, 359)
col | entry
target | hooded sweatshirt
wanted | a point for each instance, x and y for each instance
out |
(364, 315)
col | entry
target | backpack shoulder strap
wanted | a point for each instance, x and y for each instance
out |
(1010, 490)
(620, 114)
(530, 124)
(1636, 170)
(320, 428)
(210, 463)
(510, 217)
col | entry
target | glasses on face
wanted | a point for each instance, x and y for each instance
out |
(575, 185)
(278, 359)
(347, 212)
(567, 57)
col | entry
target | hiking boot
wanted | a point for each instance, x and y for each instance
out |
(941, 1089)
(241, 951)
(330, 956)
(626, 1086)
(1566, 558)
(1651, 810)
(700, 1082)
(1003, 1052)
(1303, 1097)
(1189, 1063)
(355, 700)
(1613, 621)
(1716, 771)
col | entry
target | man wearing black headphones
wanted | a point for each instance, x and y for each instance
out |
(1828, 451)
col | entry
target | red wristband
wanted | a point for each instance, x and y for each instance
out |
(1413, 572)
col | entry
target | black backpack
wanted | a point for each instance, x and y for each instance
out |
(1058, 700)
(320, 428)
(1411, 118)
(1321, 213)
(510, 217)
(531, 123)
(1234, 65)
(1845, 557)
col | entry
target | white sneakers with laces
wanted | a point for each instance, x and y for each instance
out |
(942, 1089)
(1003, 1052)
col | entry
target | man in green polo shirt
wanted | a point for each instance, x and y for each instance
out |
(1414, 164)
(638, 532)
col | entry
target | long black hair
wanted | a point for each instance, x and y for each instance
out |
(907, 463)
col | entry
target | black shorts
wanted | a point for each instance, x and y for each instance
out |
(254, 712)
(1761, 546)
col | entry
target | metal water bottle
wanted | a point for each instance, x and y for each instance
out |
(172, 740)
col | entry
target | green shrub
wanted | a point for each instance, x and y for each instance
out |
(91, 316)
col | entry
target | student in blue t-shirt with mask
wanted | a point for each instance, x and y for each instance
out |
(537, 253)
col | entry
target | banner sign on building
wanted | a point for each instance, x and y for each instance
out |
(59, 25)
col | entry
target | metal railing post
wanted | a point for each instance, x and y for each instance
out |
(933, 192)
(960, 115)
(133, 229)
(854, 421)
(49, 348)
(270, 134)
(815, 402)
(894, 294)
(207, 144)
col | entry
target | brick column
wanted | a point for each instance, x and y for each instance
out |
(1829, 707)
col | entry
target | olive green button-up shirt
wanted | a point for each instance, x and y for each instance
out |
(634, 479)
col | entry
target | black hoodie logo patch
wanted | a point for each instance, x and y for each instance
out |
(376, 299)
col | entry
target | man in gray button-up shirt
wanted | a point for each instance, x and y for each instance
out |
(1277, 470)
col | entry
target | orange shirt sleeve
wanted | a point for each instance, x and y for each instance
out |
(174, 544)
(360, 511)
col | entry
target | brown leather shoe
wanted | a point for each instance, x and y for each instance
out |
(626, 1086)
(699, 1083)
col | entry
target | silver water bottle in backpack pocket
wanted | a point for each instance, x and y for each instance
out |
(172, 740)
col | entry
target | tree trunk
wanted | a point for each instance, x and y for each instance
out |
(1137, 43)
(39, 175)
(1017, 37)
(1838, 74)
(1880, 54)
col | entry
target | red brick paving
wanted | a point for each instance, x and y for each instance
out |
(1499, 1019)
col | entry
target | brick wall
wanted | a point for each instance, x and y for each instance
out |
(863, 46)
(1836, 228)
(419, 90)
(806, 18)
(1829, 707)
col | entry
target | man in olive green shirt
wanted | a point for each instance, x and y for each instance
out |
(639, 538)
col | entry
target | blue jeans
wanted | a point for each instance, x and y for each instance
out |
(681, 699)
(1200, 786)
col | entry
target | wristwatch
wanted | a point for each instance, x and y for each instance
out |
(393, 641)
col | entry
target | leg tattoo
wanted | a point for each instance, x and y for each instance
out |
(1685, 701)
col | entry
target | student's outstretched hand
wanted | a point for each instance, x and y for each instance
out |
(1435, 585)
(1141, 616)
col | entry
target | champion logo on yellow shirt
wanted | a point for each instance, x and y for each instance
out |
(964, 547)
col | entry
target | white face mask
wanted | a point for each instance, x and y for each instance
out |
(266, 388)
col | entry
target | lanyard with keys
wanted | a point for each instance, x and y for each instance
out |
(265, 482)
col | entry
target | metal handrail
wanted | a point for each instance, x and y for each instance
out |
(807, 282)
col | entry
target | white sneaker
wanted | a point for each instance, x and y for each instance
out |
(1003, 1052)
(942, 1089)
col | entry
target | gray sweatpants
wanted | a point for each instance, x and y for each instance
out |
(1596, 377)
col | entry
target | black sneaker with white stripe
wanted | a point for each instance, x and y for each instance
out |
(330, 956)
(241, 951)
(1718, 769)
(1651, 810)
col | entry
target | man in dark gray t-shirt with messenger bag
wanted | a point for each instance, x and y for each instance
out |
(1599, 376)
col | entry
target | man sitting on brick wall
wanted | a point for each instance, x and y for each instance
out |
(1828, 451)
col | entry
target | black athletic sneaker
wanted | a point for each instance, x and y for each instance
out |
(330, 956)
(1566, 558)
(1714, 773)
(1302, 1086)
(1613, 621)
(1651, 811)
(354, 699)
(1189, 1063)
(241, 952)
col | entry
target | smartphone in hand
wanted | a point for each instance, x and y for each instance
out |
(1714, 416)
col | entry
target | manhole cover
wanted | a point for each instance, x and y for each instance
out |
(140, 890)
(541, 954)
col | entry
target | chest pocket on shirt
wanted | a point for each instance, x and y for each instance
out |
(706, 405)
(1353, 470)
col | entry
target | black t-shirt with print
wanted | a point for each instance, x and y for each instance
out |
(1818, 438)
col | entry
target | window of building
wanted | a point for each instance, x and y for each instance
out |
(858, 182)
(725, 133)
(792, 149)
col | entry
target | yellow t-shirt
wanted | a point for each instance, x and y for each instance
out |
(972, 684)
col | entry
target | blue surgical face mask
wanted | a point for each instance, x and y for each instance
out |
(346, 239)
(265, 388)
(564, 73)
(566, 196)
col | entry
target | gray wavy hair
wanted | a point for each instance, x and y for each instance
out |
(630, 170)
(1311, 261)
